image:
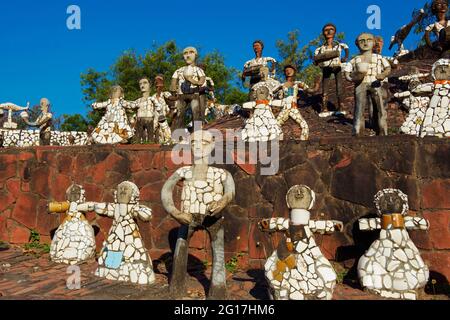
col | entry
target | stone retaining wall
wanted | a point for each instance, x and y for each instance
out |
(344, 173)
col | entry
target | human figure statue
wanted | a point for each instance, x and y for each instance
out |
(328, 58)
(43, 122)
(288, 93)
(417, 104)
(262, 124)
(206, 192)
(436, 119)
(392, 267)
(440, 9)
(124, 257)
(11, 107)
(189, 86)
(145, 122)
(297, 270)
(114, 127)
(367, 70)
(74, 240)
(160, 99)
(257, 69)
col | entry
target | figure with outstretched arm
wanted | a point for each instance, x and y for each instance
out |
(43, 122)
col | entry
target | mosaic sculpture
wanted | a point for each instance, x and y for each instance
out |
(206, 192)
(124, 257)
(74, 240)
(11, 107)
(417, 104)
(162, 111)
(288, 93)
(145, 122)
(114, 127)
(367, 70)
(297, 270)
(255, 68)
(189, 86)
(262, 124)
(440, 10)
(435, 121)
(392, 267)
(328, 58)
(43, 122)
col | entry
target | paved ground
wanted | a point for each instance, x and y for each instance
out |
(27, 276)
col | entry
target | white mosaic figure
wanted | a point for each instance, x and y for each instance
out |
(114, 127)
(74, 240)
(392, 267)
(416, 104)
(436, 120)
(124, 257)
(206, 192)
(297, 270)
(262, 125)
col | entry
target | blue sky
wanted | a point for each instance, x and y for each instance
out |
(40, 57)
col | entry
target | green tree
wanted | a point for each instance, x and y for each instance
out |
(74, 122)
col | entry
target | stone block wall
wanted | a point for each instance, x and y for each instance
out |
(345, 174)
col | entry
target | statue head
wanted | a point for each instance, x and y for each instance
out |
(159, 81)
(260, 91)
(365, 42)
(44, 104)
(75, 193)
(329, 31)
(378, 45)
(290, 71)
(127, 193)
(190, 55)
(116, 92)
(390, 201)
(300, 197)
(258, 47)
(202, 144)
(441, 69)
(439, 7)
(144, 84)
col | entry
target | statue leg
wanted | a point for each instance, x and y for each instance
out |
(203, 103)
(339, 90)
(283, 116)
(196, 110)
(381, 114)
(180, 260)
(178, 121)
(297, 117)
(326, 74)
(218, 288)
(360, 106)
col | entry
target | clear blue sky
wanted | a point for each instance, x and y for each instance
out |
(40, 57)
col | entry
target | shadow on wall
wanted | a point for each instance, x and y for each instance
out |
(437, 284)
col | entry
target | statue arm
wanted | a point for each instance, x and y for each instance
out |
(229, 193)
(369, 224)
(174, 85)
(386, 71)
(101, 105)
(103, 209)
(424, 88)
(167, 195)
(274, 225)
(416, 223)
(326, 226)
(142, 212)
